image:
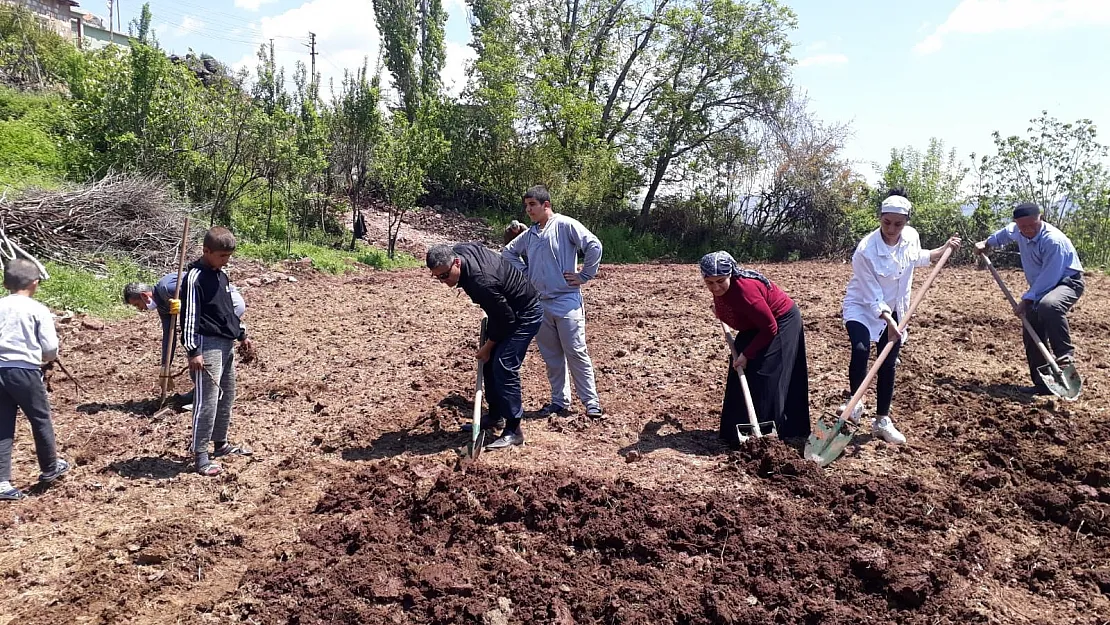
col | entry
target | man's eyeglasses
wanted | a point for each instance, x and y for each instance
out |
(442, 276)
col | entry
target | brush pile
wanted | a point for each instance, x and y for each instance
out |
(136, 217)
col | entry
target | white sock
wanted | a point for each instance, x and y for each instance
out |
(5, 486)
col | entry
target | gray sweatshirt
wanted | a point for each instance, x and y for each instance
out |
(27, 335)
(552, 251)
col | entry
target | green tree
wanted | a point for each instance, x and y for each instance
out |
(413, 34)
(1058, 165)
(140, 27)
(407, 152)
(356, 129)
(934, 181)
(724, 63)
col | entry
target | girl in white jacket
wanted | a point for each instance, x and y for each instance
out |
(877, 299)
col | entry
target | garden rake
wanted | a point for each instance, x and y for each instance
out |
(828, 442)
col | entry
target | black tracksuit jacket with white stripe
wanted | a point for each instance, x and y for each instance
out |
(206, 307)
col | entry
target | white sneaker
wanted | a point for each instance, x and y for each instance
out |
(884, 428)
(857, 412)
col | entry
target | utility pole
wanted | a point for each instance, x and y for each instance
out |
(312, 53)
(111, 16)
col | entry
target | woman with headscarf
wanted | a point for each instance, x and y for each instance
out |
(770, 346)
(877, 299)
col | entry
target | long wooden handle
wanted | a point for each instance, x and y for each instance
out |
(752, 420)
(166, 360)
(902, 324)
(1025, 322)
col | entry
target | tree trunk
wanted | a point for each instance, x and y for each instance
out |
(661, 165)
(270, 211)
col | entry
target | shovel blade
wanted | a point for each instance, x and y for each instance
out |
(1064, 382)
(474, 447)
(827, 442)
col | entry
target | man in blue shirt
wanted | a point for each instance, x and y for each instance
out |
(1055, 278)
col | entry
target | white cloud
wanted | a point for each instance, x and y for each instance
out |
(252, 5)
(189, 25)
(454, 69)
(816, 46)
(823, 59)
(980, 17)
(346, 33)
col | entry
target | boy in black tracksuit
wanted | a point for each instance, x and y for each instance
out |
(209, 329)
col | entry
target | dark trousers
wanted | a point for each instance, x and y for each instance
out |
(24, 389)
(860, 337)
(502, 371)
(779, 382)
(1049, 318)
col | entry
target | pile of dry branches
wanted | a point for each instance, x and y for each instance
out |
(119, 215)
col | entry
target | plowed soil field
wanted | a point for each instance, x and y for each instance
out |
(355, 507)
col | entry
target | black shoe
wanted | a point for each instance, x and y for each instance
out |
(60, 469)
(507, 439)
(552, 409)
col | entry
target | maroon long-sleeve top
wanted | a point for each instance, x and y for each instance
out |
(748, 304)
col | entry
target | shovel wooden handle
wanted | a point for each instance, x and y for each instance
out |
(743, 385)
(902, 324)
(1025, 322)
(164, 380)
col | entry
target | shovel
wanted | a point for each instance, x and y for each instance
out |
(1062, 381)
(165, 380)
(828, 442)
(477, 434)
(756, 432)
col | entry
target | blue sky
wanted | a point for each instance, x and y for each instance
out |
(897, 72)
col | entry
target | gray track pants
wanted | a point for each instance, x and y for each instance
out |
(214, 392)
(562, 343)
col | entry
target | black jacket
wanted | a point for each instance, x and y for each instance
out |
(495, 285)
(206, 307)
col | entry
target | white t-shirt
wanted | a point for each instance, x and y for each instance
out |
(882, 277)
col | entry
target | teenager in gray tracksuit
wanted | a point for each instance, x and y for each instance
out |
(209, 328)
(552, 245)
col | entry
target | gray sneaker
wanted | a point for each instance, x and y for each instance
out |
(508, 439)
(60, 469)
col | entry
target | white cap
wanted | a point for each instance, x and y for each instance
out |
(896, 204)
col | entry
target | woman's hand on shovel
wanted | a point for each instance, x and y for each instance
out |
(892, 333)
(740, 363)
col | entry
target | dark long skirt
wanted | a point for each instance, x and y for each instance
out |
(779, 383)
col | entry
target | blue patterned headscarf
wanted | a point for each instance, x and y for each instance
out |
(716, 264)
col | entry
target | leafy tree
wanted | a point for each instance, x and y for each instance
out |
(724, 64)
(356, 129)
(407, 152)
(1058, 165)
(934, 181)
(1062, 167)
(140, 27)
(413, 34)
